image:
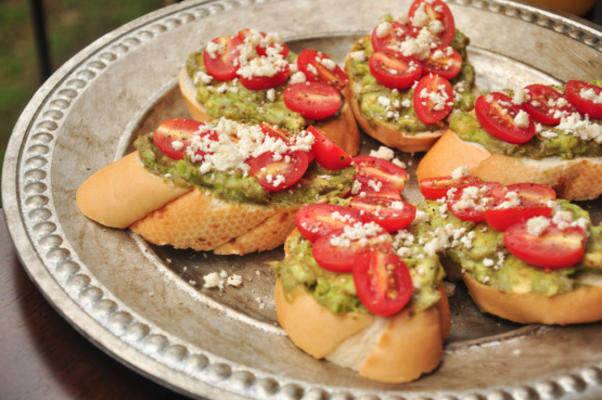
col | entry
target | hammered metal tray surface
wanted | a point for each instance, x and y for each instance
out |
(145, 306)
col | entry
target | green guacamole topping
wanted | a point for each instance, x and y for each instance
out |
(564, 145)
(318, 184)
(232, 100)
(487, 260)
(367, 90)
(336, 291)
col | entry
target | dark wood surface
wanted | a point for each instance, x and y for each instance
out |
(43, 357)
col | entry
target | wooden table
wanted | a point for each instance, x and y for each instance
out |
(43, 357)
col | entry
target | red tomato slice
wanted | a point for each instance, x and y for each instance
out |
(279, 174)
(469, 202)
(223, 63)
(394, 70)
(397, 35)
(546, 105)
(318, 67)
(532, 199)
(379, 177)
(317, 220)
(383, 282)
(436, 187)
(313, 100)
(552, 249)
(172, 137)
(433, 98)
(340, 258)
(435, 10)
(327, 153)
(445, 62)
(393, 215)
(265, 82)
(533, 193)
(586, 98)
(496, 114)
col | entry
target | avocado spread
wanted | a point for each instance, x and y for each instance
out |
(398, 111)
(318, 184)
(564, 144)
(336, 291)
(486, 259)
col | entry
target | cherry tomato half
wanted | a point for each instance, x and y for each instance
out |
(497, 115)
(554, 248)
(172, 137)
(469, 202)
(397, 34)
(313, 100)
(434, 10)
(394, 70)
(327, 153)
(317, 220)
(277, 173)
(379, 177)
(393, 215)
(318, 67)
(383, 282)
(276, 132)
(436, 187)
(586, 98)
(546, 105)
(222, 63)
(265, 82)
(446, 62)
(532, 202)
(331, 255)
(433, 98)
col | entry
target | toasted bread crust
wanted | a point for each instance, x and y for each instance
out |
(394, 349)
(576, 179)
(342, 130)
(578, 306)
(201, 221)
(123, 192)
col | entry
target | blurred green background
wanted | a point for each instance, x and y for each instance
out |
(70, 26)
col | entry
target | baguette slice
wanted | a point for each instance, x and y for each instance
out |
(576, 179)
(578, 306)
(342, 130)
(394, 349)
(124, 194)
(387, 349)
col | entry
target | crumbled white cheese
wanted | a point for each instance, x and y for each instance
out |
(383, 29)
(521, 119)
(581, 127)
(355, 188)
(251, 65)
(520, 96)
(536, 225)
(357, 55)
(297, 77)
(511, 200)
(420, 17)
(460, 172)
(214, 49)
(591, 95)
(439, 97)
(271, 94)
(327, 63)
(383, 152)
(201, 76)
(362, 233)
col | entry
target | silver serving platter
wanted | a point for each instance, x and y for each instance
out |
(145, 306)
